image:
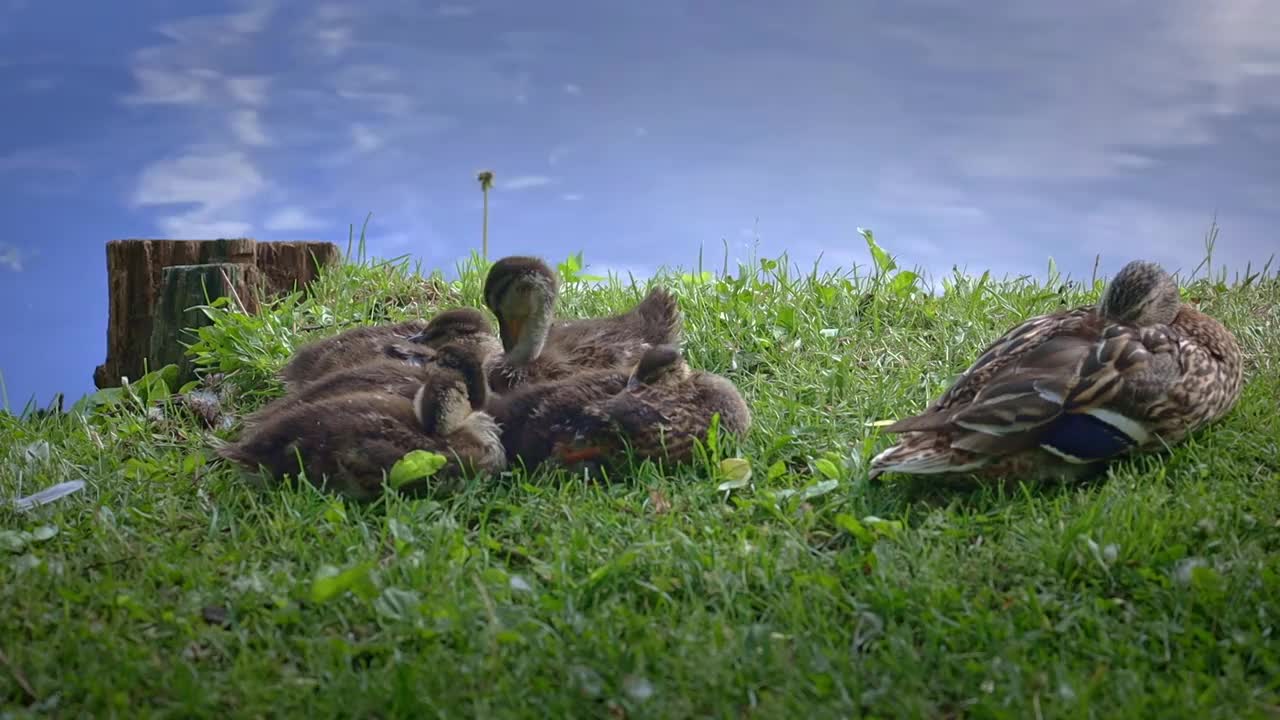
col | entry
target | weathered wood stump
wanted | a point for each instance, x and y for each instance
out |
(135, 274)
(182, 289)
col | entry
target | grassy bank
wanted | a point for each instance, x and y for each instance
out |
(169, 587)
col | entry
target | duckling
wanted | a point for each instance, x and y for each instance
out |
(521, 292)
(1059, 395)
(391, 376)
(348, 442)
(412, 342)
(539, 419)
(663, 408)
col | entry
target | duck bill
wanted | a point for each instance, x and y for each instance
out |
(509, 330)
(420, 338)
(633, 383)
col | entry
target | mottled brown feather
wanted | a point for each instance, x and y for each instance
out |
(1138, 353)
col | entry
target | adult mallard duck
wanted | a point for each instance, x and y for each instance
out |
(664, 407)
(411, 342)
(347, 442)
(521, 292)
(1060, 394)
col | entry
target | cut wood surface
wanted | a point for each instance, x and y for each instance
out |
(135, 271)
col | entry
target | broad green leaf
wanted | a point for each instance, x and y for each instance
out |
(192, 463)
(735, 469)
(851, 525)
(776, 470)
(495, 576)
(903, 283)
(883, 262)
(329, 582)
(887, 528)
(820, 489)
(336, 513)
(416, 465)
(732, 484)
(827, 468)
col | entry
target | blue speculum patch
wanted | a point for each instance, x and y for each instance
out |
(1085, 437)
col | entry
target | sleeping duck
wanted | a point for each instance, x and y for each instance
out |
(521, 292)
(538, 419)
(348, 441)
(401, 377)
(662, 409)
(411, 342)
(1060, 394)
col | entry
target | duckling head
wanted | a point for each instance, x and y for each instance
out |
(1141, 294)
(455, 389)
(661, 365)
(521, 291)
(457, 324)
(466, 361)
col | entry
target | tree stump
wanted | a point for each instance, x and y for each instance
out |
(177, 316)
(135, 274)
(289, 266)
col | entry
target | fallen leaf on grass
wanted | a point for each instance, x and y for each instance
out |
(48, 495)
(416, 465)
(737, 473)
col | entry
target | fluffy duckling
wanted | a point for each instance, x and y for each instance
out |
(1057, 396)
(390, 376)
(521, 292)
(348, 442)
(539, 420)
(663, 408)
(412, 342)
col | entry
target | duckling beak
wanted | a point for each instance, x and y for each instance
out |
(577, 455)
(420, 338)
(509, 330)
(633, 383)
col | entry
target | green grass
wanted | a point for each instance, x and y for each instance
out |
(172, 588)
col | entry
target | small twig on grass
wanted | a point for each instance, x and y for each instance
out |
(20, 677)
(99, 564)
(313, 328)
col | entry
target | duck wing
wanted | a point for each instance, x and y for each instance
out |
(619, 339)
(1081, 396)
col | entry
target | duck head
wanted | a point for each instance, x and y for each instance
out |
(455, 325)
(521, 291)
(660, 365)
(455, 389)
(1141, 294)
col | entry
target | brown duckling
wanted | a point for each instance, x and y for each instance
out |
(390, 376)
(540, 420)
(664, 407)
(412, 342)
(521, 292)
(348, 442)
